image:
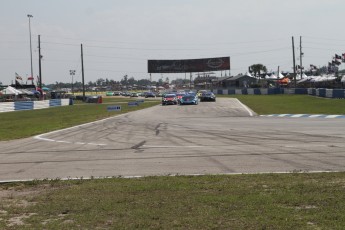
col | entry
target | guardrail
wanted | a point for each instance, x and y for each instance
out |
(30, 105)
(329, 93)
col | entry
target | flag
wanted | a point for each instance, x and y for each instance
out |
(337, 56)
(299, 67)
(337, 62)
(313, 67)
(18, 77)
(18, 83)
(31, 78)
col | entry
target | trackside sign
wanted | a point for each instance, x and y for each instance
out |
(134, 103)
(114, 108)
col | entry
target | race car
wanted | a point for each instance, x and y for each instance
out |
(169, 99)
(189, 99)
(208, 96)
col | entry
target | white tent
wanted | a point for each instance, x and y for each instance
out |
(273, 77)
(248, 74)
(280, 75)
(11, 91)
(304, 76)
(343, 79)
(25, 91)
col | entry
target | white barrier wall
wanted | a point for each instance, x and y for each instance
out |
(30, 105)
(322, 92)
(7, 107)
(250, 91)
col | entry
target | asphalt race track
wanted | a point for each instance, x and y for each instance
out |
(210, 138)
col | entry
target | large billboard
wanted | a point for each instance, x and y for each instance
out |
(188, 65)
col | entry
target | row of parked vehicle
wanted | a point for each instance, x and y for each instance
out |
(131, 94)
(172, 98)
(187, 98)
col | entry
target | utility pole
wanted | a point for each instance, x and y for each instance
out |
(190, 81)
(30, 16)
(300, 54)
(39, 62)
(294, 62)
(82, 71)
(72, 73)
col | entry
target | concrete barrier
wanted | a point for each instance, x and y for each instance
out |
(329, 93)
(250, 91)
(23, 105)
(338, 93)
(30, 105)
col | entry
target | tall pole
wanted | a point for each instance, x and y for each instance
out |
(82, 71)
(72, 73)
(278, 71)
(39, 61)
(190, 81)
(300, 54)
(30, 16)
(294, 62)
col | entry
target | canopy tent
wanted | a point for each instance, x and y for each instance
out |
(248, 74)
(272, 77)
(280, 75)
(26, 92)
(298, 76)
(307, 78)
(343, 79)
(322, 78)
(11, 91)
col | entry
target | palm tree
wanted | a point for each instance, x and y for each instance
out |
(257, 68)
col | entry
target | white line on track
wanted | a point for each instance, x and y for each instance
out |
(41, 138)
(245, 107)
(167, 146)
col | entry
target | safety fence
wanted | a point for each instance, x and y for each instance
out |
(30, 105)
(329, 93)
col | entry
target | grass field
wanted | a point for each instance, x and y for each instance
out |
(22, 124)
(291, 104)
(271, 201)
(261, 201)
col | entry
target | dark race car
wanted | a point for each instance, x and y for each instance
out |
(150, 94)
(169, 99)
(208, 96)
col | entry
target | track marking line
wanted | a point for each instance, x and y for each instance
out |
(171, 146)
(41, 138)
(245, 107)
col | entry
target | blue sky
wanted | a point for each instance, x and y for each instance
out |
(120, 36)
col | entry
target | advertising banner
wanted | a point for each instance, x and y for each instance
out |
(188, 65)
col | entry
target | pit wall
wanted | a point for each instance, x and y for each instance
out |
(30, 105)
(329, 93)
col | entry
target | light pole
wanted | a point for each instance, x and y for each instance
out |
(72, 73)
(30, 16)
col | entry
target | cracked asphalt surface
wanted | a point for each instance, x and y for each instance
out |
(209, 138)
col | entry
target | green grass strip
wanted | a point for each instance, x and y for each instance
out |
(291, 104)
(20, 124)
(270, 201)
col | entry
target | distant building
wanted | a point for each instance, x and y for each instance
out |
(238, 81)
